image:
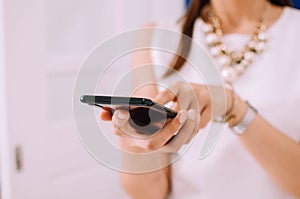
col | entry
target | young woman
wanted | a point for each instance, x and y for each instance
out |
(255, 44)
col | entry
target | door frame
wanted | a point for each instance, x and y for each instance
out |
(5, 161)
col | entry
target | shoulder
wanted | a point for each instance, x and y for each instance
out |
(287, 26)
(292, 12)
(292, 16)
(290, 28)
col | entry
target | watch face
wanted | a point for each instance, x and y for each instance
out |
(238, 129)
(241, 127)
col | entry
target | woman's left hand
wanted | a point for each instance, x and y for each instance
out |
(208, 102)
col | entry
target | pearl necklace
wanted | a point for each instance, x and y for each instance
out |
(234, 63)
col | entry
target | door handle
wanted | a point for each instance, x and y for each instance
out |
(19, 158)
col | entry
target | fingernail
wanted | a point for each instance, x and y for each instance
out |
(182, 117)
(121, 116)
(192, 114)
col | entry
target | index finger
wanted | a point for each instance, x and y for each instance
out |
(169, 130)
(166, 96)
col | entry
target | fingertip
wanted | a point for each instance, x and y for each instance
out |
(182, 116)
(105, 115)
(122, 114)
(192, 114)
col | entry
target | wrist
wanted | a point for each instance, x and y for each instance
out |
(239, 126)
(238, 112)
(235, 110)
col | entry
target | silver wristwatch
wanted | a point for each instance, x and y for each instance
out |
(243, 124)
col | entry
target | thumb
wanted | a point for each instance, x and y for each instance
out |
(120, 117)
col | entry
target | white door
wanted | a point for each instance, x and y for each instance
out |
(46, 41)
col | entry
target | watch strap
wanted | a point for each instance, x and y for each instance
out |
(243, 124)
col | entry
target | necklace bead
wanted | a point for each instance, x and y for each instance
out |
(249, 55)
(260, 47)
(262, 36)
(240, 68)
(207, 28)
(212, 39)
(215, 51)
(224, 60)
(229, 75)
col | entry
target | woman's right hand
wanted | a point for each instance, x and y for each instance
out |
(131, 141)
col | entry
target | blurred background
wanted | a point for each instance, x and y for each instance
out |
(42, 46)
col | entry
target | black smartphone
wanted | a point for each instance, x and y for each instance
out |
(146, 117)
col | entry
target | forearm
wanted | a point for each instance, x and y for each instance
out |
(275, 152)
(148, 173)
(147, 186)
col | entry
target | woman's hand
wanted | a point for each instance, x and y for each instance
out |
(194, 100)
(131, 140)
(206, 102)
(159, 140)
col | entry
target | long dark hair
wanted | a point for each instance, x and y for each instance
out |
(193, 12)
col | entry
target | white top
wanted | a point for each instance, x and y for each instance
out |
(272, 85)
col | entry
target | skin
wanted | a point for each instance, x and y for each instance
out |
(275, 152)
